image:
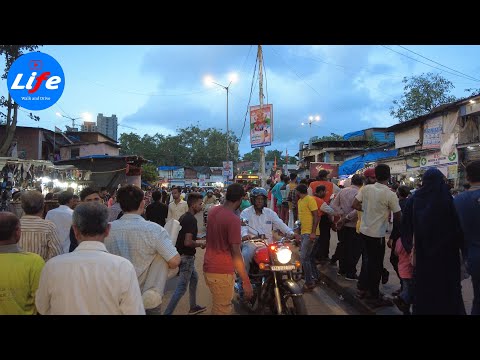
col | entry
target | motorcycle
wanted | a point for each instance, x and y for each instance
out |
(206, 210)
(275, 288)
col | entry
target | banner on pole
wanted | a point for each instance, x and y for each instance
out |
(261, 125)
(227, 170)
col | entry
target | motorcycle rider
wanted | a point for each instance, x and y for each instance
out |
(261, 221)
(209, 198)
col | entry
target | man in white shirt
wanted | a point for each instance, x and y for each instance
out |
(62, 218)
(376, 202)
(89, 280)
(177, 207)
(146, 244)
(261, 221)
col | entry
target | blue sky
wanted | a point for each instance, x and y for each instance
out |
(160, 88)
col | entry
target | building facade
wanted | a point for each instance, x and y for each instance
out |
(108, 125)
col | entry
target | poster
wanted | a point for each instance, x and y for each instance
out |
(227, 170)
(315, 167)
(178, 173)
(261, 125)
(452, 171)
(432, 134)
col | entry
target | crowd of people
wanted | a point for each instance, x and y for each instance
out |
(102, 254)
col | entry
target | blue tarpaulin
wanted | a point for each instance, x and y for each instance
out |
(353, 134)
(168, 168)
(349, 167)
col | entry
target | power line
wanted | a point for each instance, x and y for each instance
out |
(310, 86)
(435, 62)
(249, 99)
(266, 82)
(245, 61)
(442, 70)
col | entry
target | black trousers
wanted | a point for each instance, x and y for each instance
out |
(372, 264)
(323, 247)
(348, 250)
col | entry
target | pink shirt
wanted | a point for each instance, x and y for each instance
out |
(405, 267)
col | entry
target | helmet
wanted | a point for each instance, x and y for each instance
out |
(258, 191)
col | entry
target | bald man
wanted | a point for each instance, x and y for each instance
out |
(19, 270)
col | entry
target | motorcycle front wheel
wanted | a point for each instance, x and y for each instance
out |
(295, 305)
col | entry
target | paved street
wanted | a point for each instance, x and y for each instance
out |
(324, 300)
(321, 301)
(393, 282)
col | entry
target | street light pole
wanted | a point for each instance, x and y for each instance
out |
(227, 117)
(312, 119)
(226, 88)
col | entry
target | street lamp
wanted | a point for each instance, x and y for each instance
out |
(233, 77)
(312, 119)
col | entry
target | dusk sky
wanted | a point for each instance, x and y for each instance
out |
(160, 88)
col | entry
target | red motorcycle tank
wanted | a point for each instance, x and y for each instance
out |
(261, 255)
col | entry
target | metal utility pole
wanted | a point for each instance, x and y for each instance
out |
(262, 149)
(226, 88)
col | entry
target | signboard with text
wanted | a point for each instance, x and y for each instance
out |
(437, 159)
(432, 133)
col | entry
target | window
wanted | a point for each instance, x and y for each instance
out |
(74, 153)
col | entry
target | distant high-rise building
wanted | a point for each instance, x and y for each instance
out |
(89, 126)
(107, 125)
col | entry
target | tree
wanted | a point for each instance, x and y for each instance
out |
(9, 119)
(331, 137)
(149, 173)
(253, 155)
(473, 91)
(421, 94)
(192, 146)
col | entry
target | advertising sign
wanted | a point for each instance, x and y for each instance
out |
(432, 134)
(227, 171)
(397, 167)
(315, 167)
(261, 125)
(438, 160)
(179, 173)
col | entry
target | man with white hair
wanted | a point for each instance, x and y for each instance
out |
(89, 280)
(39, 236)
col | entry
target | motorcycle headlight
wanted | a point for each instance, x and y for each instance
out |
(284, 255)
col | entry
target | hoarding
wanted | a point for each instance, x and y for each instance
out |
(261, 125)
(227, 170)
(315, 167)
(432, 134)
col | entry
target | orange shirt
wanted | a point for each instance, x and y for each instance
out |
(328, 189)
(319, 204)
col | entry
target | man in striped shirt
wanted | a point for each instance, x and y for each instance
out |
(39, 236)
